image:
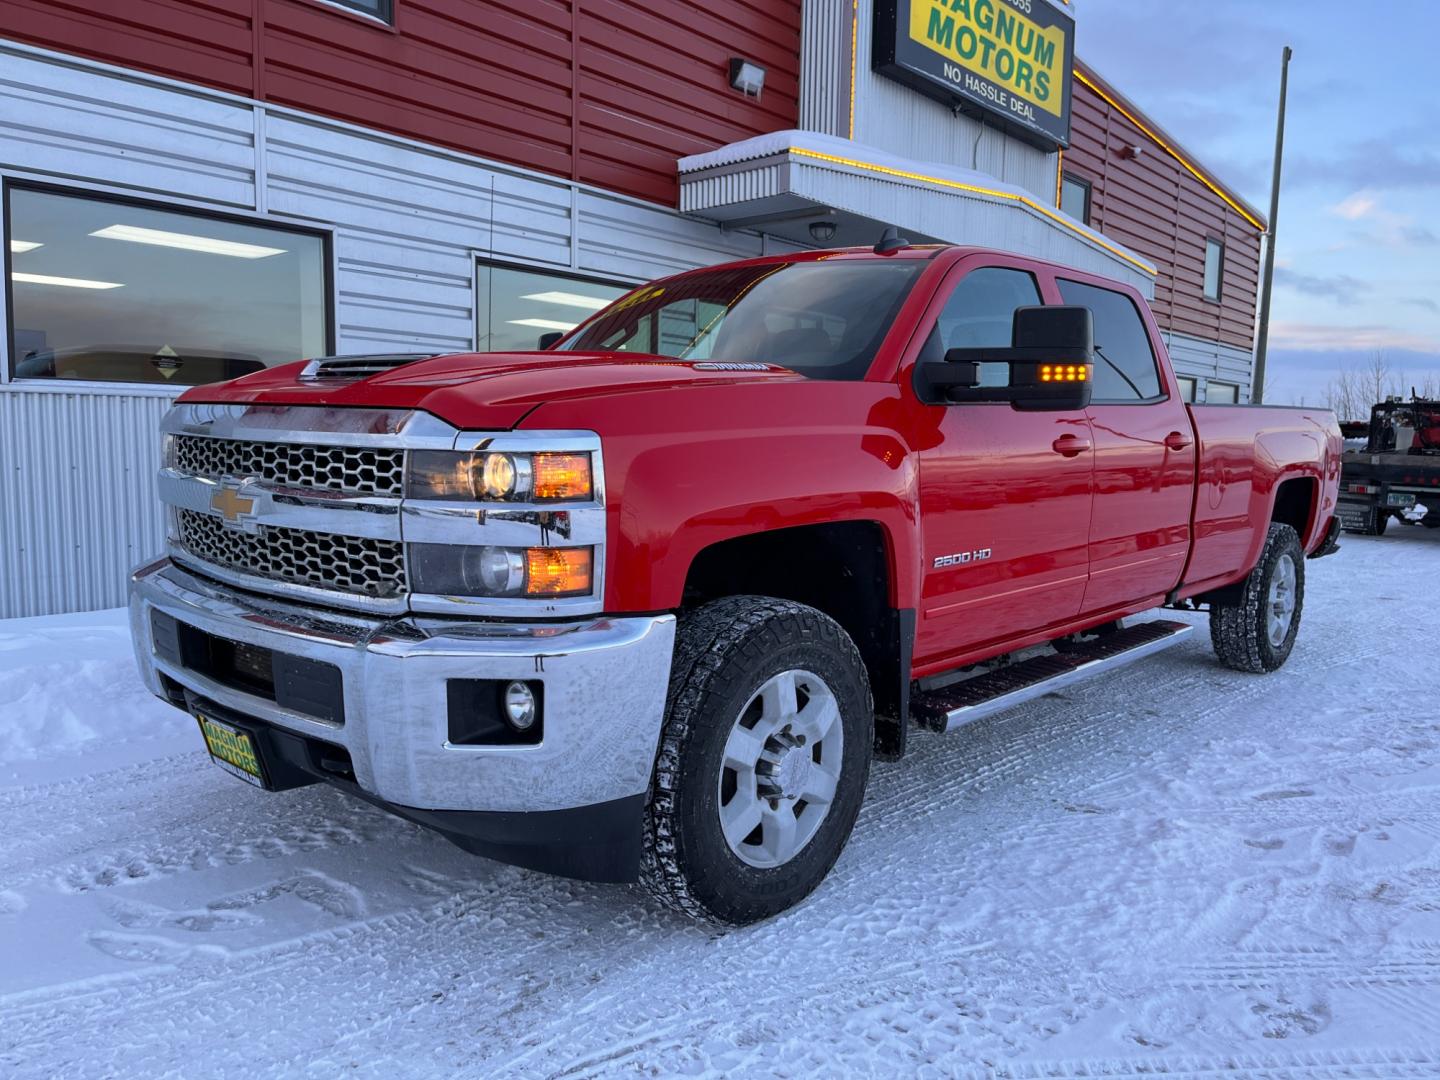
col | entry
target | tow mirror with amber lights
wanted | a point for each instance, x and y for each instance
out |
(1050, 365)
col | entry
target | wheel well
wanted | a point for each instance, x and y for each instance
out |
(842, 569)
(1294, 504)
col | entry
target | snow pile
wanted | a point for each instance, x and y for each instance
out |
(69, 692)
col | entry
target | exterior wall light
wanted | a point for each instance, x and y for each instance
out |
(822, 232)
(747, 77)
(1130, 153)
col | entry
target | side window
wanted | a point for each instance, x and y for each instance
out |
(1214, 267)
(1125, 370)
(1075, 197)
(981, 312)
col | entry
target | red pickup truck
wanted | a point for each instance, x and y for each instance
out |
(644, 605)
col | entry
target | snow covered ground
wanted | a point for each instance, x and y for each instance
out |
(1182, 870)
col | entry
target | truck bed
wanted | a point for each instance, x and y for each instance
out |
(1243, 452)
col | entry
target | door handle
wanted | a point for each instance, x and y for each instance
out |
(1070, 445)
(1178, 440)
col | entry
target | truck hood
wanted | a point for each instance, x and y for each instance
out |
(490, 391)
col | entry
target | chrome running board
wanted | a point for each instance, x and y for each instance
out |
(995, 691)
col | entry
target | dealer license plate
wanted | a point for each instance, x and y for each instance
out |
(232, 749)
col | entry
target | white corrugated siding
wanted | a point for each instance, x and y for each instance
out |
(78, 506)
(1207, 360)
(894, 117)
(77, 500)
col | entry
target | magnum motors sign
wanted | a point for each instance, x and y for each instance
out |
(1009, 59)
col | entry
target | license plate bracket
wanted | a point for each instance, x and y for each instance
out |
(235, 748)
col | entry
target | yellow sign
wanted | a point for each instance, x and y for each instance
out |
(996, 41)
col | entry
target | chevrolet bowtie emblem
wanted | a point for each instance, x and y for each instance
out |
(230, 503)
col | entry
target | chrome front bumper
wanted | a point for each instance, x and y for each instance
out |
(604, 692)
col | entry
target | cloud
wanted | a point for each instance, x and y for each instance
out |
(1385, 227)
(1422, 302)
(1313, 337)
(1342, 288)
(1360, 205)
(1375, 164)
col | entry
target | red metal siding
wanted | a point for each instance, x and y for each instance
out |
(609, 92)
(1158, 208)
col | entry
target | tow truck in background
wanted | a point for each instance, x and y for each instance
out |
(645, 605)
(1395, 471)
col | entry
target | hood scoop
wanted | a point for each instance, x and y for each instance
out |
(360, 366)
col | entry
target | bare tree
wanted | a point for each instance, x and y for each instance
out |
(1379, 377)
(1344, 396)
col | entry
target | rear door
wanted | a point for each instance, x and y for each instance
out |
(1144, 457)
(1004, 495)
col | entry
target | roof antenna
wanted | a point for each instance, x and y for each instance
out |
(890, 240)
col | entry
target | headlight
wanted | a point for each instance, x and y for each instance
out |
(500, 477)
(482, 570)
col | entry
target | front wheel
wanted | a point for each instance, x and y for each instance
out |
(1257, 632)
(763, 760)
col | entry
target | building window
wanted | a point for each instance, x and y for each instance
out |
(384, 10)
(1219, 393)
(121, 292)
(1187, 387)
(1075, 198)
(1214, 267)
(516, 308)
(1125, 371)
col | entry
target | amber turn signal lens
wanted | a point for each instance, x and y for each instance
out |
(561, 476)
(558, 571)
(1064, 372)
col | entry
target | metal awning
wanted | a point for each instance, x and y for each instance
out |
(785, 181)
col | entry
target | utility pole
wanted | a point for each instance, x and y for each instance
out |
(1257, 390)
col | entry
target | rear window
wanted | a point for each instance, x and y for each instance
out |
(823, 319)
(1125, 369)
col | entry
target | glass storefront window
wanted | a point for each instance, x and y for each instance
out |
(119, 292)
(515, 308)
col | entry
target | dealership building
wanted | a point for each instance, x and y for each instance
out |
(197, 189)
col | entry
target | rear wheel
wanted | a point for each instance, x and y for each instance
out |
(1257, 632)
(763, 760)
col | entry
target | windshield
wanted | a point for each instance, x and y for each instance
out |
(823, 319)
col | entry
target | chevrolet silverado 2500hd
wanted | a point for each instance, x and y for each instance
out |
(644, 605)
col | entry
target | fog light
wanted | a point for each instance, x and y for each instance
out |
(519, 706)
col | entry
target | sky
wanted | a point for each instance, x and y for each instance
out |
(1358, 251)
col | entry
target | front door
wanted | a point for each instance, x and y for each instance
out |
(1004, 495)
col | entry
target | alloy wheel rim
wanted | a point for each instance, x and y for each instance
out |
(1280, 604)
(781, 768)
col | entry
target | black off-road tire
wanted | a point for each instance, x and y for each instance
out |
(1239, 631)
(724, 652)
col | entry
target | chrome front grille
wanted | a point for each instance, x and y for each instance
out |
(307, 503)
(351, 564)
(353, 470)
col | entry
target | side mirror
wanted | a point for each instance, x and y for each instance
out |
(1051, 364)
(549, 338)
